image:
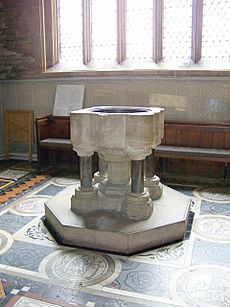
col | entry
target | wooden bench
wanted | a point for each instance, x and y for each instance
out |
(53, 141)
(208, 144)
(183, 143)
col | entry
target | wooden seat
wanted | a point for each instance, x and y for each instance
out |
(56, 143)
(53, 141)
(194, 149)
(193, 153)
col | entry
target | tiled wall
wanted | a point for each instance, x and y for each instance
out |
(196, 100)
(200, 100)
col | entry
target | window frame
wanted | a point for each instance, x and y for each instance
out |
(48, 11)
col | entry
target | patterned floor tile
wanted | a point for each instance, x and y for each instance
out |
(25, 255)
(81, 267)
(11, 222)
(65, 181)
(202, 286)
(215, 194)
(13, 174)
(30, 205)
(144, 278)
(62, 295)
(5, 183)
(209, 207)
(16, 189)
(170, 254)
(6, 241)
(23, 301)
(50, 190)
(35, 232)
(212, 228)
(205, 252)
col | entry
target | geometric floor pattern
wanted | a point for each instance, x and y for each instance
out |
(16, 180)
(36, 271)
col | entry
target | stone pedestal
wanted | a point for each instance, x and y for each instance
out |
(123, 138)
(114, 211)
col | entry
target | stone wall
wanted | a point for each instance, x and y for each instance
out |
(1, 125)
(16, 44)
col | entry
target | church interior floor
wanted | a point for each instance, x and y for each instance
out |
(36, 271)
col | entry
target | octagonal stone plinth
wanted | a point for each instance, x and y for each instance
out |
(109, 231)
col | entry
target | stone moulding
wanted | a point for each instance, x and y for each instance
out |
(132, 131)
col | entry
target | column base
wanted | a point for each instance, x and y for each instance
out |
(112, 196)
(154, 186)
(84, 200)
(137, 206)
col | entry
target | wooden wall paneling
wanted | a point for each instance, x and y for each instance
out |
(205, 139)
(227, 140)
(59, 127)
(217, 169)
(193, 138)
(189, 167)
(170, 135)
(182, 137)
(217, 139)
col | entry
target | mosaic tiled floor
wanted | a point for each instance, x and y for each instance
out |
(13, 190)
(36, 271)
(5, 183)
(16, 179)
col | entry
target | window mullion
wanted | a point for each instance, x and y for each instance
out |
(157, 29)
(42, 36)
(87, 33)
(197, 17)
(49, 17)
(54, 12)
(121, 31)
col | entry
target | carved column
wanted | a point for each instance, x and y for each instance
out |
(86, 172)
(102, 170)
(137, 176)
